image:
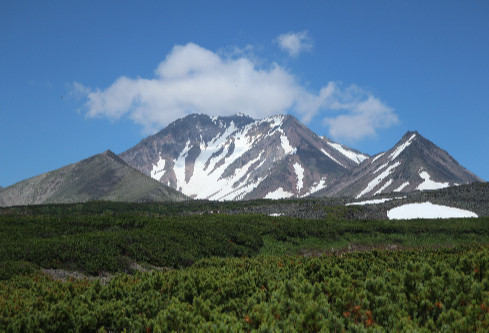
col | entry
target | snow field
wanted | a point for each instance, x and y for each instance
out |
(427, 210)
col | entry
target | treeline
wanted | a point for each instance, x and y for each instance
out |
(376, 291)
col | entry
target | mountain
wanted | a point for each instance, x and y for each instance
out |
(101, 177)
(237, 157)
(414, 163)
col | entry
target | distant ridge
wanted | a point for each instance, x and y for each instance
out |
(413, 164)
(240, 158)
(103, 176)
(237, 157)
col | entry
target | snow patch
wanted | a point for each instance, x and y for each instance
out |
(279, 194)
(376, 181)
(400, 188)
(286, 145)
(429, 184)
(386, 185)
(355, 157)
(377, 157)
(299, 171)
(381, 167)
(427, 210)
(368, 202)
(316, 187)
(158, 169)
(401, 148)
(275, 214)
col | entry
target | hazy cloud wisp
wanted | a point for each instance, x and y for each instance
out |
(294, 43)
(192, 79)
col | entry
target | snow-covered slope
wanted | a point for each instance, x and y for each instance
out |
(414, 163)
(232, 158)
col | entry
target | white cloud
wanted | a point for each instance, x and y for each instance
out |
(360, 114)
(295, 43)
(192, 79)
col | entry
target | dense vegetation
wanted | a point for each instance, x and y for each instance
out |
(239, 272)
(445, 290)
(110, 239)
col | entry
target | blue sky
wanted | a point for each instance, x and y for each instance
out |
(78, 78)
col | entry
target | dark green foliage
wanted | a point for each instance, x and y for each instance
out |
(430, 290)
(105, 236)
(439, 282)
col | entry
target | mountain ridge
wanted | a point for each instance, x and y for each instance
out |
(240, 158)
(103, 176)
(413, 163)
(284, 159)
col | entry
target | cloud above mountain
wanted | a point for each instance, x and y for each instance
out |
(192, 79)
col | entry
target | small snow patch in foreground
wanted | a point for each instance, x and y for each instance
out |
(275, 214)
(427, 210)
(368, 202)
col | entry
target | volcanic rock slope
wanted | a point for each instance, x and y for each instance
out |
(237, 157)
(100, 177)
(414, 163)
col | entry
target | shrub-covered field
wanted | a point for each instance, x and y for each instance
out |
(239, 272)
(446, 290)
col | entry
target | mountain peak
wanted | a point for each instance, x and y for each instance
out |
(237, 157)
(109, 153)
(414, 163)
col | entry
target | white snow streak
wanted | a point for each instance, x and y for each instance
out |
(331, 157)
(400, 188)
(429, 184)
(377, 157)
(376, 181)
(427, 210)
(386, 185)
(355, 157)
(402, 147)
(368, 202)
(299, 171)
(381, 167)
